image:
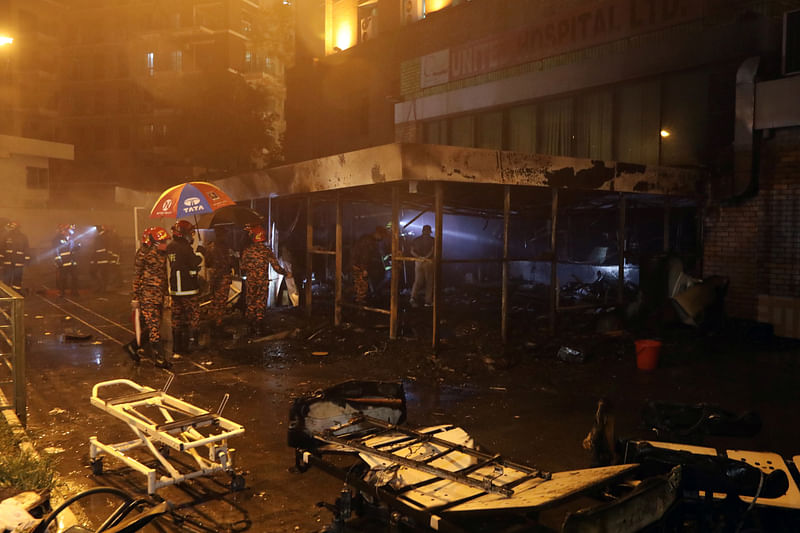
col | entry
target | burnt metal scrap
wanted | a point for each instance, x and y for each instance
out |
(437, 478)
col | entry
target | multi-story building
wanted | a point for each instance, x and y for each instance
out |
(128, 68)
(666, 83)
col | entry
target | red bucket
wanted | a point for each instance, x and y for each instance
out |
(647, 352)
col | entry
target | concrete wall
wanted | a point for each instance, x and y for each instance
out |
(16, 155)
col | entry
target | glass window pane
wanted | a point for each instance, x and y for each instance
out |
(522, 129)
(556, 127)
(490, 130)
(636, 133)
(462, 131)
(685, 119)
(594, 128)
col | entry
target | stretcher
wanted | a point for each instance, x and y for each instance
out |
(163, 423)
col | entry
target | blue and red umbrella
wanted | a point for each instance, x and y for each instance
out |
(191, 198)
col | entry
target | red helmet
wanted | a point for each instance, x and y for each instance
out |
(11, 226)
(154, 235)
(257, 233)
(66, 229)
(182, 228)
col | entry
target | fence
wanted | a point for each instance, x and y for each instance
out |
(12, 350)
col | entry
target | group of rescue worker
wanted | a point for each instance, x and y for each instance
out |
(103, 257)
(14, 255)
(171, 267)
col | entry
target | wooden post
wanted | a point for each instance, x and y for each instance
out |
(553, 260)
(337, 291)
(621, 250)
(437, 263)
(504, 290)
(309, 247)
(394, 282)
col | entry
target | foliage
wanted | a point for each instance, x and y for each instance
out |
(222, 123)
(21, 470)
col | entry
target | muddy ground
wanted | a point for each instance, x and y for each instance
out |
(519, 400)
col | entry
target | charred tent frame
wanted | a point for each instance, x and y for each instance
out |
(545, 208)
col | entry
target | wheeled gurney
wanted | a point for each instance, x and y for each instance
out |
(179, 430)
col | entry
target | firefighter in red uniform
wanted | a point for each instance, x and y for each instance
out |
(219, 261)
(66, 248)
(184, 287)
(15, 255)
(149, 290)
(256, 259)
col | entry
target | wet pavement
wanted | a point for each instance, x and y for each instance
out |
(520, 401)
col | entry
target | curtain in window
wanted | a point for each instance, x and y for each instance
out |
(462, 131)
(636, 135)
(522, 129)
(490, 130)
(594, 126)
(556, 127)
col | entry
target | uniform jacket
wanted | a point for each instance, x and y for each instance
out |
(104, 253)
(256, 259)
(14, 249)
(184, 267)
(66, 251)
(150, 273)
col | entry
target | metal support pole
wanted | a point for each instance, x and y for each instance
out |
(437, 263)
(309, 247)
(504, 290)
(553, 260)
(621, 250)
(667, 210)
(394, 282)
(337, 291)
(20, 404)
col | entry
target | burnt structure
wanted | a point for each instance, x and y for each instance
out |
(521, 202)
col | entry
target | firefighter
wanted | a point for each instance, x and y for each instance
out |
(184, 286)
(15, 255)
(66, 259)
(256, 259)
(219, 261)
(149, 290)
(104, 259)
(367, 263)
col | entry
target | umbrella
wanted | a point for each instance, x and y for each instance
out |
(191, 198)
(231, 215)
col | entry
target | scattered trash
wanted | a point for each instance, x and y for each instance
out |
(39, 316)
(501, 389)
(571, 355)
(52, 450)
(319, 353)
(374, 350)
(56, 411)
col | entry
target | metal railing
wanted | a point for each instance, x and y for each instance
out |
(12, 350)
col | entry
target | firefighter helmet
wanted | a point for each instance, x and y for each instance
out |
(257, 233)
(11, 226)
(154, 235)
(183, 228)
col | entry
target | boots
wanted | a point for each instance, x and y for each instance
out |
(158, 356)
(132, 349)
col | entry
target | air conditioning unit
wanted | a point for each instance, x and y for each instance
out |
(412, 10)
(369, 28)
(791, 42)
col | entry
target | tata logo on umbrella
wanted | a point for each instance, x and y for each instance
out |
(192, 205)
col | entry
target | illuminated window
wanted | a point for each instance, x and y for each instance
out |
(177, 60)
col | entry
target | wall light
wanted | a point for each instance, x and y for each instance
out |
(665, 133)
(6, 40)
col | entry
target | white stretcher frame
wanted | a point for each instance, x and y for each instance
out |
(181, 435)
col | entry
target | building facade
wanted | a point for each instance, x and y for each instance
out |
(667, 83)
